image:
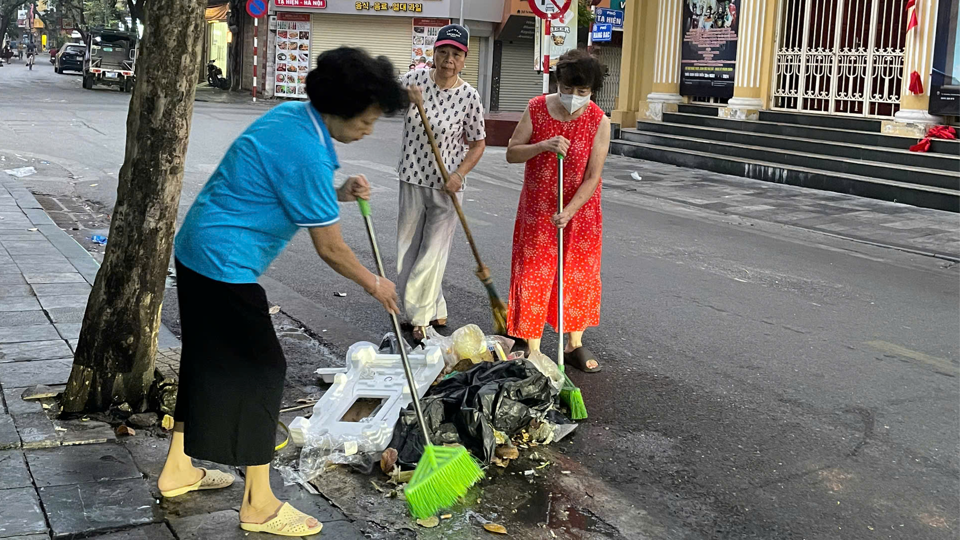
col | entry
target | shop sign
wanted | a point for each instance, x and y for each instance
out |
(424, 36)
(945, 79)
(311, 4)
(709, 51)
(298, 17)
(408, 7)
(292, 55)
(612, 17)
(602, 32)
(563, 37)
(22, 18)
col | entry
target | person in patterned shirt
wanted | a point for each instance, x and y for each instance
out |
(427, 218)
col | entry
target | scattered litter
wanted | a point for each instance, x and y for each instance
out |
(508, 452)
(124, 431)
(94, 185)
(564, 472)
(274, 310)
(22, 172)
(495, 528)
(429, 523)
(470, 343)
(531, 472)
(39, 392)
(468, 407)
(340, 294)
(636, 176)
(298, 428)
(446, 516)
(98, 239)
(34, 229)
(354, 420)
(388, 460)
(167, 422)
(546, 366)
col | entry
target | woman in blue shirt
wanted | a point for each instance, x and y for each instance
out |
(276, 178)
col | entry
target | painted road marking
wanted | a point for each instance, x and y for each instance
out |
(941, 364)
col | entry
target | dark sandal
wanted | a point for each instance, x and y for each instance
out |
(439, 323)
(579, 357)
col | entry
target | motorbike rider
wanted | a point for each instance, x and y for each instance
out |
(31, 54)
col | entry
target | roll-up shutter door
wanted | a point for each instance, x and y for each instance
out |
(387, 36)
(471, 69)
(519, 83)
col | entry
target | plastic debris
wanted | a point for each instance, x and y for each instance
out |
(340, 294)
(468, 407)
(355, 419)
(429, 523)
(636, 176)
(546, 366)
(124, 431)
(98, 239)
(22, 172)
(470, 344)
(167, 423)
(298, 428)
(274, 310)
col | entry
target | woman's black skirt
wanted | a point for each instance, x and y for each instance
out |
(232, 371)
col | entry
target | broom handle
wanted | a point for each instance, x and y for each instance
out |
(446, 178)
(560, 261)
(368, 219)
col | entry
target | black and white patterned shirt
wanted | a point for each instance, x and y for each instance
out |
(456, 116)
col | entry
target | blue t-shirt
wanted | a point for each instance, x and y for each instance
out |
(274, 179)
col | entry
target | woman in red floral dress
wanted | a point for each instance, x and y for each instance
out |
(566, 123)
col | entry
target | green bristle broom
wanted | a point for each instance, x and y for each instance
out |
(570, 395)
(444, 474)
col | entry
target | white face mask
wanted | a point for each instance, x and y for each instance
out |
(573, 102)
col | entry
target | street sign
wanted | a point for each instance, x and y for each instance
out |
(256, 8)
(613, 17)
(549, 9)
(602, 32)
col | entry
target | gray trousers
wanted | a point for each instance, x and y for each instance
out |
(426, 224)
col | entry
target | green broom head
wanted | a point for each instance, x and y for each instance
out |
(442, 477)
(571, 396)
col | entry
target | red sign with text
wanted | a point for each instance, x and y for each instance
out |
(300, 17)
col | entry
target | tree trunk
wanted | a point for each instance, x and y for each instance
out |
(118, 341)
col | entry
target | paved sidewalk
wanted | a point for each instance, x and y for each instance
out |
(63, 479)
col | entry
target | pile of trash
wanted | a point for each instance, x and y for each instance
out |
(474, 389)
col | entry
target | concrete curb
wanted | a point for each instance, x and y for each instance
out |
(79, 257)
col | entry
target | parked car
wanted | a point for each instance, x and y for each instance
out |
(111, 60)
(70, 58)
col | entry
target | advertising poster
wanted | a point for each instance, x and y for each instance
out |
(709, 50)
(293, 55)
(424, 36)
(563, 37)
(945, 78)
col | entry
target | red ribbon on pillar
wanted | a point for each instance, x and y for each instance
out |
(916, 84)
(913, 15)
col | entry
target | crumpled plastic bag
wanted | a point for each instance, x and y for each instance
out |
(547, 367)
(434, 339)
(320, 454)
(467, 407)
(470, 343)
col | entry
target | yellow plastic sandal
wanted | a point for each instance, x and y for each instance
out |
(212, 479)
(288, 522)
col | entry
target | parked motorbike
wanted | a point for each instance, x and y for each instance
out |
(215, 77)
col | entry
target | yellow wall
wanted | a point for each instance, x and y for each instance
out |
(636, 64)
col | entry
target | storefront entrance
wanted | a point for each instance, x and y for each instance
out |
(840, 57)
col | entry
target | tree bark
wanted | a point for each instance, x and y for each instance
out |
(115, 357)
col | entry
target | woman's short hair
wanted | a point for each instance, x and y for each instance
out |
(347, 81)
(579, 68)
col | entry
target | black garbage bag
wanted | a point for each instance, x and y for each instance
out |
(467, 407)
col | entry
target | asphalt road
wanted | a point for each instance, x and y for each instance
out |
(758, 382)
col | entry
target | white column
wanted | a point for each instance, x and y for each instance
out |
(746, 100)
(918, 56)
(666, 68)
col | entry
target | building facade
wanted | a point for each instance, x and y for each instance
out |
(849, 58)
(295, 32)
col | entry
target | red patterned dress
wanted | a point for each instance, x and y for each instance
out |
(533, 281)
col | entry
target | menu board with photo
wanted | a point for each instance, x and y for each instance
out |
(293, 58)
(424, 36)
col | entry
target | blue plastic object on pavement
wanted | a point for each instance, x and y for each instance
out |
(99, 240)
